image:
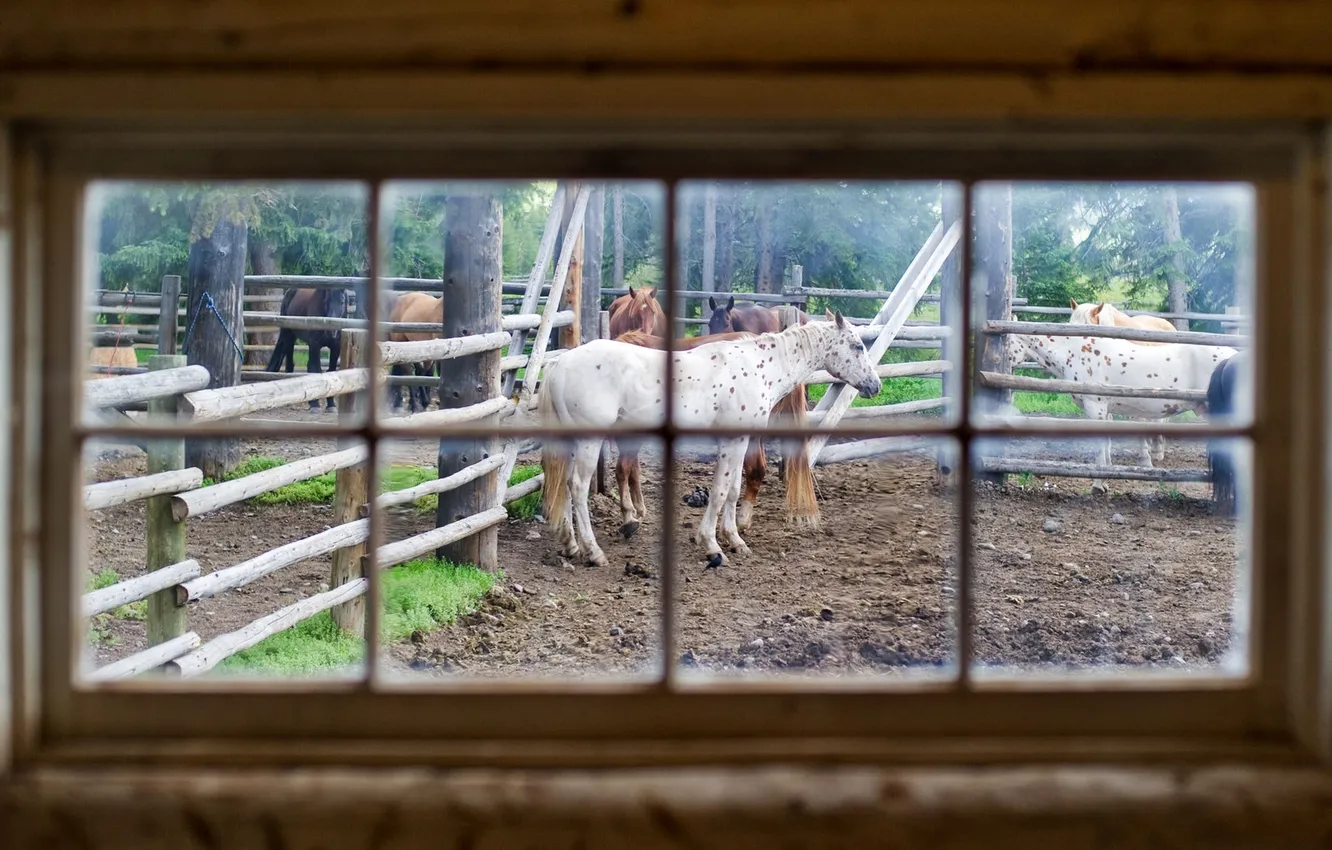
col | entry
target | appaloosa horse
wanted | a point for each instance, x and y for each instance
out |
(605, 383)
(1102, 360)
(747, 318)
(313, 303)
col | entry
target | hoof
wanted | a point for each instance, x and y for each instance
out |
(597, 560)
(740, 547)
(1100, 489)
(715, 560)
(628, 529)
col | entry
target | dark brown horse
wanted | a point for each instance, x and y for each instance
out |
(801, 504)
(638, 310)
(313, 303)
(747, 318)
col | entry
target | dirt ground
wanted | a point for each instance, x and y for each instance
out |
(1143, 577)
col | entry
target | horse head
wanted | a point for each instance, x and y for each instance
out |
(335, 303)
(720, 320)
(847, 359)
(645, 309)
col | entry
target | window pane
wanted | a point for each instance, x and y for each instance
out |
(511, 600)
(247, 576)
(757, 257)
(1151, 577)
(860, 579)
(266, 276)
(1134, 260)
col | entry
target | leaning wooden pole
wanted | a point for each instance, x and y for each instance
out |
(166, 536)
(472, 288)
(352, 489)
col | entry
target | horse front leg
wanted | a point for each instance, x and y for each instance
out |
(1100, 410)
(755, 470)
(730, 532)
(730, 458)
(626, 465)
(334, 352)
(312, 367)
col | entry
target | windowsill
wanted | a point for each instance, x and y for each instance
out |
(1068, 806)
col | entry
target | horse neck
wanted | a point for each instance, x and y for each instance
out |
(801, 354)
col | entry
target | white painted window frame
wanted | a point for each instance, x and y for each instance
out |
(1279, 712)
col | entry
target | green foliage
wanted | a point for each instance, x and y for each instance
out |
(530, 505)
(418, 596)
(318, 490)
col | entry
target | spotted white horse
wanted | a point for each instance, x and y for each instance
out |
(1108, 314)
(731, 384)
(1100, 360)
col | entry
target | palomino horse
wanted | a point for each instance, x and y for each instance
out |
(637, 311)
(605, 383)
(747, 318)
(415, 307)
(1222, 390)
(1109, 315)
(791, 405)
(1101, 360)
(314, 303)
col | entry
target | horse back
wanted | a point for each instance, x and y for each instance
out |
(753, 318)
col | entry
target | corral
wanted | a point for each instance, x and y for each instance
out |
(1063, 578)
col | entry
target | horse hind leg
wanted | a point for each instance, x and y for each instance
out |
(334, 350)
(730, 533)
(730, 458)
(625, 467)
(755, 469)
(312, 367)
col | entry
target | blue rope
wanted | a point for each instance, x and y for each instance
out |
(206, 301)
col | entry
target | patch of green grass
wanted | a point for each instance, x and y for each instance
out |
(420, 596)
(102, 579)
(314, 491)
(530, 505)
(99, 627)
(404, 477)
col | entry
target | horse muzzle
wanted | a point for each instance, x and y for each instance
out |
(870, 387)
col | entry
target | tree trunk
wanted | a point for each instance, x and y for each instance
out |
(994, 257)
(1176, 271)
(570, 336)
(764, 249)
(709, 237)
(594, 241)
(216, 270)
(473, 273)
(683, 233)
(726, 216)
(617, 221)
(263, 260)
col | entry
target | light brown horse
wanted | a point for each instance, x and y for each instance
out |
(801, 504)
(415, 307)
(637, 311)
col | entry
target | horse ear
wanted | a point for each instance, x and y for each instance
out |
(651, 293)
(712, 303)
(828, 314)
(1072, 303)
(730, 303)
(841, 323)
(1096, 311)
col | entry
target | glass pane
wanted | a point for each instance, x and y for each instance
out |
(856, 579)
(262, 279)
(1139, 262)
(1151, 577)
(244, 576)
(757, 257)
(473, 590)
(469, 268)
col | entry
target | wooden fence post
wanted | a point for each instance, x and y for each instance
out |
(166, 537)
(472, 287)
(994, 256)
(352, 491)
(167, 320)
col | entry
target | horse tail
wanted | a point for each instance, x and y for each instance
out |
(286, 342)
(802, 504)
(1220, 469)
(555, 459)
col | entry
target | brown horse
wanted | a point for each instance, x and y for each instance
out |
(415, 307)
(801, 505)
(314, 303)
(637, 311)
(747, 318)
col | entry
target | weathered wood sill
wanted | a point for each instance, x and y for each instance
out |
(1065, 807)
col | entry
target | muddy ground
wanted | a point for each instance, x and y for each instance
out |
(1143, 577)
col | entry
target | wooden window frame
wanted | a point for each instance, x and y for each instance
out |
(1277, 713)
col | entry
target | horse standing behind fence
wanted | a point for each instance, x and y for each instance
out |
(1101, 360)
(312, 303)
(1222, 391)
(1108, 314)
(747, 318)
(637, 311)
(605, 383)
(415, 307)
